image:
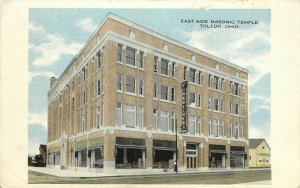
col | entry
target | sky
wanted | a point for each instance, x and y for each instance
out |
(56, 35)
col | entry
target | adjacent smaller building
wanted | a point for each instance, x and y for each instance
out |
(259, 153)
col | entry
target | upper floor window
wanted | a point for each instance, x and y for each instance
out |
(129, 116)
(164, 120)
(173, 70)
(98, 118)
(120, 46)
(199, 77)
(173, 122)
(237, 130)
(130, 56)
(164, 67)
(215, 82)
(216, 127)
(192, 125)
(164, 92)
(118, 117)
(184, 72)
(192, 75)
(215, 104)
(141, 117)
(84, 74)
(173, 94)
(141, 87)
(130, 84)
(141, 59)
(99, 59)
(83, 123)
(154, 119)
(83, 100)
(119, 82)
(155, 63)
(98, 87)
(192, 101)
(235, 89)
(155, 90)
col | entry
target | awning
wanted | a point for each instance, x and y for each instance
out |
(218, 151)
(164, 148)
(130, 146)
(239, 152)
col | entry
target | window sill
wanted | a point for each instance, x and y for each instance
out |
(195, 84)
(216, 111)
(142, 96)
(119, 62)
(233, 95)
(119, 91)
(131, 94)
(220, 91)
(130, 66)
(166, 101)
(236, 115)
(166, 76)
(194, 107)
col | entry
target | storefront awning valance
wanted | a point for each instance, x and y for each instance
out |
(164, 148)
(81, 144)
(96, 142)
(218, 151)
(130, 146)
(239, 152)
(130, 141)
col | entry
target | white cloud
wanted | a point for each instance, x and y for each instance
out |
(34, 74)
(35, 28)
(38, 118)
(52, 50)
(86, 24)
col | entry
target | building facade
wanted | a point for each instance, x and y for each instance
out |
(259, 154)
(116, 105)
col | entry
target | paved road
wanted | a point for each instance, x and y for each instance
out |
(192, 178)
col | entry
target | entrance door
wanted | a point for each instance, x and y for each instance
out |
(191, 156)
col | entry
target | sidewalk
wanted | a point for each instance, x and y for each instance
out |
(71, 173)
(266, 182)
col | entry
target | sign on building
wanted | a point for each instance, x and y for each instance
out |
(184, 106)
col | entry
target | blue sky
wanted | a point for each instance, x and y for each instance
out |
(56, 35)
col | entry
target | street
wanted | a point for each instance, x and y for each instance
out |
(181, 178)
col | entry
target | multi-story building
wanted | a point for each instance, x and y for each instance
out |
(116, 104)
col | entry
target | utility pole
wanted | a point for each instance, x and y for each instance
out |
(176, 157)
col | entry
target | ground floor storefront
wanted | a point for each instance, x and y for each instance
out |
(112, 151)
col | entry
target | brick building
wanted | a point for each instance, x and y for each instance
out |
(115, 106)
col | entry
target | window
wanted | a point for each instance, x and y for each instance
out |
(130, 84)
(241, 129)
(199, 77)
(215, 128)
(119, 82)
(192, 99)
(97, 117)
(199, 128)
(155, 90)
(163, 120)
(118, 114)
(141, 117)
(154, 119)
(73, 103)
(164, 67)
(192, 75)
(99, 60)
(236, 131)
(184, 72)
(141, 87)
(120, 52)
(173, 122)
(209, 103)
(83, 75)
(164, 92)
(129, 116)
(173, 69)
(216, 104)
(192, 124)
(98, 87)
(83, 98)
(173, 94)
(263, 146)
(221, 129)
(141, 59)
(130, 56)
(199, 101)
(83, 123)
(155, 64)
(234, 89)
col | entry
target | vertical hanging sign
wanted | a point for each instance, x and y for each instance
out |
(184, 106)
